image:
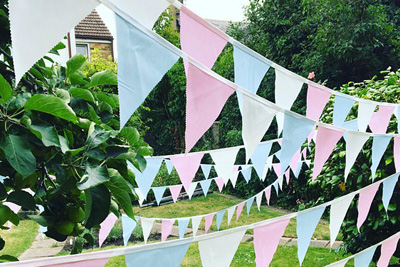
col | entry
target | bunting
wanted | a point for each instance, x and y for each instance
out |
(354, 143)
(195, 224)
(106, 226)
(387, 249)
(260, 157)
(158, 193)
(224, 160)
(380, 119)
(220, 216)
(365, 111)
(387, 191)
(208, 219)
(166, 228)
(145, 179)
(183, 225)
(206, 168)
(147, 225)
(175, 191)
(379, 145)
(337, 214)
(364, 258)
(187, 166)
(205, 186)
(341, 109)
(128, 225)
(364, 203)
(316, 101)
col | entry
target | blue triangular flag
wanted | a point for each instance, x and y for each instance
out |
(246, 172)
(205, 185)
(364, 259)
(161, 257)
(145, 179)
(295, 131)
(341, 109)
(142, 62)
(128, 225)
(249, 72)
(278, 154)
(349, 125)
(298, 169)
(220, 215)
(206, 168)
(306, 224)
(249, 202)
(183, 225)
(158, 193)
(276, 186)
(260, 156)
(388, 187)
(169, 165)
(379, 145)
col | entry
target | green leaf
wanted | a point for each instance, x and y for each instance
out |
(75, 64)
(99, 205)
(131, 134)
(14, 218)
(3, 192)
(77, 78)
(22, 198)
(42, 220)
(2, 243)
(18, 154)
(63, 94)
(120, 191)
(98, 137)
(63, 144)
(5, 90)
(51, 105)
(106, 77)
(94, 176)
(7, 258)
(82, 94)
(109, 99)
(45, 132)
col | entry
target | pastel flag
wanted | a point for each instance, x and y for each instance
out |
(276, 186)
(256, 119)
(249, 202)
(219, 251)
(87, 263)
(259, 200)
(239, 210)
(316, 101)
(187, 166)
(326, 142)
(208, 219)
(295, 131)
(158, 193)
(341, 109)
(220, 183)
(355, 141)
(166, 228)
(246, 172)
(287, 176)
(145, 179)
(268, 194)
(170, 256)
(234, 178)
(175, 191)
(387, 191)
(220, 216)
(266, 241)
(231, 211)
(140, 196)
(14, 207)
(192, 188)
(337, 214)
(341, 263)
(364, 203)
(183, 225)
(28, 22)
(295, 161)
(249, 72)
(364, 258)
(298, 169)
(205, 98)
(396, 153)
(195, 224)
(260, 157)
(128, 225)
(277, 169)
(206, 168)
(144, 12)
(205, 185)
(380, 119)
(224, 160)
(198, 41)
(387, 249)
(147, 225)
(379, 145)
(304, 153)
(287, 88)
(365, 111)
(169, 165)
(306, 224)
(106, 226)
(140, 66)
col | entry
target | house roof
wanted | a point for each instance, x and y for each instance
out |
(92, 27)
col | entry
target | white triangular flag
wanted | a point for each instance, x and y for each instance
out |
(365, 111)
(231, 211)
(140, 196)
(338, 212)
(147, 225)
(224, 160)
(195, 224)
(259, 199)
(219, 251)
(354, 143)
(192, 188)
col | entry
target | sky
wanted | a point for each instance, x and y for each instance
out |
(231, 10)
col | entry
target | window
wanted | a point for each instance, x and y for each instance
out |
(83, 49)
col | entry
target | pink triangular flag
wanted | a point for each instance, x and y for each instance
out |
(175, 191)
(187, 166)
(287, 176)
(208, 221)
(316, 101)
(166, 228)
(85, 263)
(268, 194)
(239, 210)
(235, 168)
(277, 169)
(198, 40)
(280, 142)
(364, 203)
(266, 240)
(326, 141)
(220, 183)
(396, 153)
(295, 160)
(387, 249)
(205, 98)
(14, 207)
(106, 226)
(380, 119)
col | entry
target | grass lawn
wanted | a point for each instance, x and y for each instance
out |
(216, 202)
(19, 238)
